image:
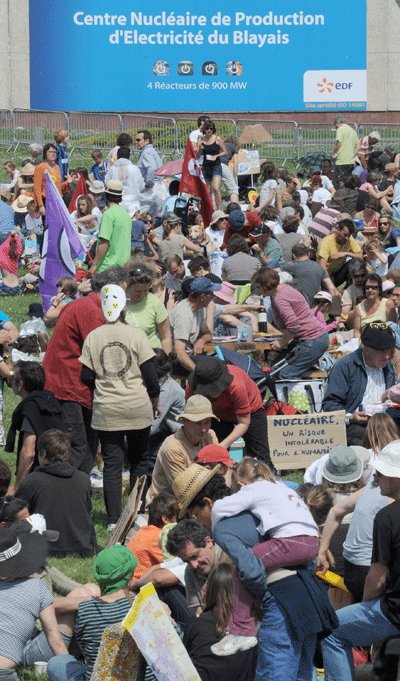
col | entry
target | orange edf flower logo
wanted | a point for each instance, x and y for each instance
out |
(324, 85)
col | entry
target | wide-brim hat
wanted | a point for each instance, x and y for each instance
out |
(20, 204)
(27, 170)
(365, 456)
(97, 187)
(189, 483)
(21, 553)
(217, 215)
(197, 408)
(388, 461)
(114, 187)
(6, 193)
(210, 376)
(343, 465)
(226, 292)
(389, 167)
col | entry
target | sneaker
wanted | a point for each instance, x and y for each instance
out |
(95, 473)
(232, 643)
(96, 477)
(111, 527)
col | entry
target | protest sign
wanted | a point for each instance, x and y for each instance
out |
(157, 639)
(296, 441)
(128, 514)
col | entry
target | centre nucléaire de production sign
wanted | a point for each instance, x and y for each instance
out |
(224, 56)
(296, 441)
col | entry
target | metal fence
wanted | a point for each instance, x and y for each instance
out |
(313, 137)
(93, 130)
(276, 140)
(163, 131)
(273, 140)
(37, 126)
(184, 126)
(6, 128)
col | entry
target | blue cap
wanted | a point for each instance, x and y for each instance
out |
(236, 220)
(203, 285)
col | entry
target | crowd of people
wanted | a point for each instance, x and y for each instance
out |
(130, 378)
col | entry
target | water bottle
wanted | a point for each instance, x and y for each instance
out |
(262, 318)
(244, 333)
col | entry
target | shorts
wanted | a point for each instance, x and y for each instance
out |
(212, 171)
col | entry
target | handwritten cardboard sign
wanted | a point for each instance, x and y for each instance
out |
(296, 441)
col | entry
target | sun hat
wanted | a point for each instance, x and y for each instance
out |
(197, 408)
(114, 187)
(375, 135)
(214, 454)
(226, 292)
(236, 220)
(113, 568)
(365, 456)
(217, 215)
(6, 193)
(387, 285)
(97, 187)
(343, 465)
(203, 285)
(22, 552)
(27, 170)
(38, 523)
(323, 295)
(210, 376)
(388, 461)
(20, 204)
(376, 338)
(189, 483)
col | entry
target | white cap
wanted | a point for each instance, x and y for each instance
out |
(323, 295)
(388, 461)
(375, 135)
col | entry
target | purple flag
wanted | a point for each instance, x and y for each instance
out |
(60, 245)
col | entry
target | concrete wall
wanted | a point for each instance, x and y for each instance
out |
(383, 55)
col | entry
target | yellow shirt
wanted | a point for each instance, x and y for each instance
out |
(329, 245)
(348, 139)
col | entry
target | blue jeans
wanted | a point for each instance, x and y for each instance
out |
(281, 657)
(360, 624)
(38, 650)
(65, 668)
(309, 352)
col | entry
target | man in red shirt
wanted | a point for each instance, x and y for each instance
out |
(239, 223)
(63, 368)
(236, 401)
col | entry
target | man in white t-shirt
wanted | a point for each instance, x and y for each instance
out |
(196, 134)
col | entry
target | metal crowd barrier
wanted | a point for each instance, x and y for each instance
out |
(6, 128)
(37, 126)
(277, 141)
(162, 130)
(316, 137)
(93, 130)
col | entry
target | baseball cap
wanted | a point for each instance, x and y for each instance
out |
(315, 170)
(214, 454)
(323, 295)
(375, 135)
(260, 230)
(203, 285)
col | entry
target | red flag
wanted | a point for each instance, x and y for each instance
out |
(193, 182)
(80, 189)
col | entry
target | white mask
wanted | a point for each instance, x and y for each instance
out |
(113, 300)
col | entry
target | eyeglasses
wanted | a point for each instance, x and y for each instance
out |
(369, 286)
(138, 139)
(378, 325)
(6, 501)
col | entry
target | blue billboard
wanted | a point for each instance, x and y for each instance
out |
(282, 55)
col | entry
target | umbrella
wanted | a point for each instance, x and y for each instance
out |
(170, 168)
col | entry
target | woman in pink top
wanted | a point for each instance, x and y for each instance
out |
(293, 316)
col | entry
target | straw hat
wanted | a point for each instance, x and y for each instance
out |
(20, 204)
(189, 483)
(27, 170)
(114, 187)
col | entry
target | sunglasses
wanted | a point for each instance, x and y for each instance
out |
(148, 222)
(378, 325)
(139, 271)
(371, 287)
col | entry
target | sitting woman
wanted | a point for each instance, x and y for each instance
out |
(293, 316)
(369, 217)
(145, 310)
(158, 287)
(173, 241)
(388, 234)
(376, 257)
(239, 267)
(10, 252)
(67, 288)
(375, 308)
(209, 627)
(87, 220)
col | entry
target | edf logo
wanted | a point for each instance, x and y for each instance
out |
(343, 86)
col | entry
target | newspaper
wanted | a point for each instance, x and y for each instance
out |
(157, 639)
